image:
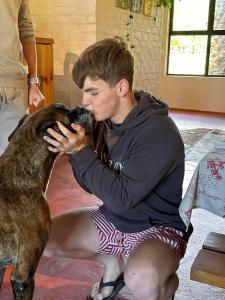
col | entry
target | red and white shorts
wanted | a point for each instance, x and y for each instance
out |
(115, 242)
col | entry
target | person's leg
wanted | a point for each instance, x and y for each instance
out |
(111, 254)
(13, 106)
(110, 282)
(151, 271)
(75, 235)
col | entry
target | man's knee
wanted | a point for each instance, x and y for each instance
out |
(150, 284)
(144, 284)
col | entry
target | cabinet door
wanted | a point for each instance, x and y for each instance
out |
(45, 70)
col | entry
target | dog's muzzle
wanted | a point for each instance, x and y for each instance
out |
(81, 116)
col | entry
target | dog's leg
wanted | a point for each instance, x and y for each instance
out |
(2, 271)
(22, 278)
(23, 290)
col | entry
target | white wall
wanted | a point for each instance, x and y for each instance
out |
(145, 35)
(194, 93)
(72, 25)
(75, 24)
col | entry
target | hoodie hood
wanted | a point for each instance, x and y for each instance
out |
(147, 105)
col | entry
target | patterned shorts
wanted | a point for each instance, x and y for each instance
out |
(115, 242)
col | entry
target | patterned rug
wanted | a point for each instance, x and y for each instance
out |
(201, 137)
(193, 136)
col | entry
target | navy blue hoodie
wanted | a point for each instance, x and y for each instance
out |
(142, 184)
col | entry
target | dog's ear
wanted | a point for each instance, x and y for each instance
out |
(21, 121)
(42, 129)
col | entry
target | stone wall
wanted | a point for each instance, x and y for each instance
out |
(75, 24)
(145, 35)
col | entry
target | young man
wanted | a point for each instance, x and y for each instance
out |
(17, 41)
(135, 165)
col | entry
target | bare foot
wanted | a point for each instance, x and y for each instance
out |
(114, 266)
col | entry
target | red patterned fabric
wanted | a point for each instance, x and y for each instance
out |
(115, 242)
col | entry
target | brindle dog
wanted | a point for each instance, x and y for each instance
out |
(25, 168)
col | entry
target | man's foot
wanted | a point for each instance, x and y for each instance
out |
(115, 286)
(111, 280)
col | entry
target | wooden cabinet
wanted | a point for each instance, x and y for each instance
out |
(45, 69)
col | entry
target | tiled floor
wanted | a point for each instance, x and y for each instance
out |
(67, 279)
(190, 119)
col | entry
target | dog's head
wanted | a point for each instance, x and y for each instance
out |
(39, 122)
(58, 112)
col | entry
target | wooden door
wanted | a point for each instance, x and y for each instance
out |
(45, 70)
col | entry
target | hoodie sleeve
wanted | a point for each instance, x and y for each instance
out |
(151, 159)
(26, 28)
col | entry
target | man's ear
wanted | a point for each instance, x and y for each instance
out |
(123, 86)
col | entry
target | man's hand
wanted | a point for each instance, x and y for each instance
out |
(68, 143)
(35, 96)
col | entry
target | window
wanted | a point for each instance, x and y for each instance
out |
(197, 38)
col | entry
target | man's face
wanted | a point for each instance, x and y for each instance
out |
(101, 99)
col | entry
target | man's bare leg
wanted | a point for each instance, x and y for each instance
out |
(74, 235)
(151, 271)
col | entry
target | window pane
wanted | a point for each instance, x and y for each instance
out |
(190, 15)
(217, 55)
(187, 55)
(219, 19)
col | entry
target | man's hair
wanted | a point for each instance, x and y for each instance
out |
(108, 59)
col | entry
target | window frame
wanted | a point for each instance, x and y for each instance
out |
(209, 33)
